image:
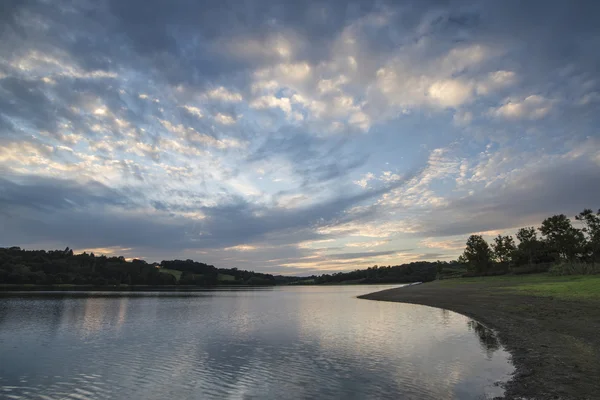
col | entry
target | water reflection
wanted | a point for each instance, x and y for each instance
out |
(317, 342)
(487, 337)
(122, 315)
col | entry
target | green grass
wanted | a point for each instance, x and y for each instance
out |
(225, 278)
(174, 272)
(499, 279)
(576, 287)
(570, 287)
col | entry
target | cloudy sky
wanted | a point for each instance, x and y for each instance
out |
(293, 137)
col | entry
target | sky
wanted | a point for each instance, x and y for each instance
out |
(294, 137)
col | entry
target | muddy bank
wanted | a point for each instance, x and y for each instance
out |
(555, 344)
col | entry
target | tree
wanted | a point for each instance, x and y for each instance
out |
(529, 249)
(564, 239)
(591, 227)
(527, 235)
(477, 254)
(504, 248)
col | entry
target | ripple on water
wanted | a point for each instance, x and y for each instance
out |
(290, 343)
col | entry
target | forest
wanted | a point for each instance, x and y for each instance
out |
(63, 267)
(420, 271)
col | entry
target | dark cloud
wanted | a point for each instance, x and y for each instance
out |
(8, 9)
(316, 159)
(27, 102)
(54, 211)
(93, 215)
(51, 194)
(243, 222)
(564, 187)
(214, 19)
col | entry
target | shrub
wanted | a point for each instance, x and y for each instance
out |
(531, 269)
(575, 268)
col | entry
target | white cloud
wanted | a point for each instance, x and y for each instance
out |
(361, 120)
(365, 180)
(367, 244)
(286, 73)
(224, 119)
(496, 80)
(223, 94)
(450, 92)
(267, 86)
(460, 58)
(377, 229)
(448, 244)
(417, 192)
(38, 64)
(408, 80)
(331, 85)
(241, 247)
(194, 110)
(190, 134)
(272, 102)
(532, 107)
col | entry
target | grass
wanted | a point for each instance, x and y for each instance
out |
(570, 287)
(576, 287)
(174, 272)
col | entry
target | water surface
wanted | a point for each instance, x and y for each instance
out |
(275, 343)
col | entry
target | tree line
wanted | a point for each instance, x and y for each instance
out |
(419, 271)
(558, 242)
(41, 267)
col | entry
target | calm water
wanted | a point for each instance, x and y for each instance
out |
(277, 343)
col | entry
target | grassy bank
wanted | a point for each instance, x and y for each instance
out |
(550, 325)
(577, 287)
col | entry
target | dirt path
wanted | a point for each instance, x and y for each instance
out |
(555, 344)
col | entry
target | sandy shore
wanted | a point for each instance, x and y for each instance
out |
(555, 344)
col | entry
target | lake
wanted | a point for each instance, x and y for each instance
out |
(271, 343)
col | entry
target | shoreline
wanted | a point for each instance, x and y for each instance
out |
(554, 344)
(7, 287)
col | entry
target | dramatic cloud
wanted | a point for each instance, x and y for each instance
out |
(293, 137)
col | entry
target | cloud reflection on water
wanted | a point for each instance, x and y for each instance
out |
(288, 342)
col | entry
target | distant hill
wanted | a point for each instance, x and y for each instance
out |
(63, 267)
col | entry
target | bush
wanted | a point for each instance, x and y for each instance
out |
(531, 269)
(575, 268)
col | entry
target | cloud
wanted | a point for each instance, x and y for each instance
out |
(448, 244)
(450, 93)
(367, 244)
(224, 119)
(223, 94)
(249, 134)
(351, 256)
(531, 107)
(533, 193)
